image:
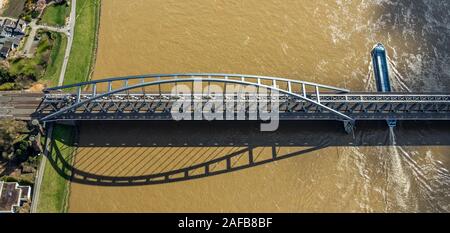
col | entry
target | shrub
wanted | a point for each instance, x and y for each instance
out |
(9, 179)
(5, 76)
(34, 14)
(9, 133)
(7, 86)
(22, 150)
(27, 18)
(21, 181)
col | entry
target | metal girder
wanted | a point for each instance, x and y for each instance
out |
(297, 99)
(245, 80)
(125, 80)
(293, 107)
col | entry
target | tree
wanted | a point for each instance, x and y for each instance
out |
(10, 132)
(60, 1)
(5, 76)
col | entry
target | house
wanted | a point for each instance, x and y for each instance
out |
(12, 196)
(4, 51)
(14, 28)
(11, 33)
(7, 46)
(21, 25)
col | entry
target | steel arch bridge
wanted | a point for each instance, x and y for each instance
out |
(146, 97)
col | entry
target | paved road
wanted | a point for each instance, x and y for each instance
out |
(30, 39)
(40, 172)
(70, 29)
(55, 29)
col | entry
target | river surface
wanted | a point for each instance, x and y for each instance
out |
(328, 42)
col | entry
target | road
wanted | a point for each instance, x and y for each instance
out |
(40, 172)
(70, 29)
(3, 18)
(29, 43)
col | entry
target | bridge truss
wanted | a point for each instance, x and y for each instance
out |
(151, 97)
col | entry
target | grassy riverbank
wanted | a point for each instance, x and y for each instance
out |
(55, 15)
(82, 55)
(54, 187)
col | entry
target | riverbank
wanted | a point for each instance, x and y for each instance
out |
(54, 190)
(82, 57)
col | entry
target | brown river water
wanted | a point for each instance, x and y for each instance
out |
(301, 167)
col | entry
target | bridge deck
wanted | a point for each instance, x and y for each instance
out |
(128, 98)
(359, 106)
(135, 106)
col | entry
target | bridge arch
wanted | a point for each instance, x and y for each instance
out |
(245, 80)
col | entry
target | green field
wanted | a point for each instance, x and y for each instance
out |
(82, 55)
(56, 59)
(54, 190)
(55, 15)
(14, 8)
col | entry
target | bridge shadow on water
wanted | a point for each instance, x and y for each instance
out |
(118, 153)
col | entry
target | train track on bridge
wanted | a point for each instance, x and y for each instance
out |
(152, 97)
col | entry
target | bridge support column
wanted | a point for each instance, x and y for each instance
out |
(349, 126)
